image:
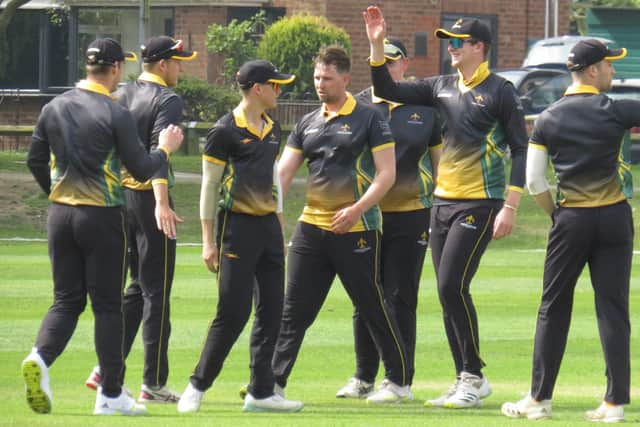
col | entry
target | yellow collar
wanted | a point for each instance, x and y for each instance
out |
(377, 100)
(479, 75)
(93, 87)
(346, 109)
(575, 89)
(153, 78)
(241, 121)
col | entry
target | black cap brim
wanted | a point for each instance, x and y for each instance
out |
(283, 79)
(616, 54)
(441, 33)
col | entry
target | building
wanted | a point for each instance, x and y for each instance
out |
(46, 57)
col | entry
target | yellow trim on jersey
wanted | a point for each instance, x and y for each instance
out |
(516, 189)
(377, 100)
(580, 89)
(131, 183)
(437, 147)
(241, 121)
(377, 63)
(383, 147)
(537, 146)
(346, 109)
(153, 78)
(479, 75)
(213, 160)
(166, 152)
(160, 181)
(93, 87)
(295, 150)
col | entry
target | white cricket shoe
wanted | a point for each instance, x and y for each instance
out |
(244, 390)
(389, 392)
(355, 389)
(123, 404)
(159, 394)
(469, 393)
(36, 381)
(439, 401)
(273, 403)
(190, 400)
(528, 408)
(606, 413)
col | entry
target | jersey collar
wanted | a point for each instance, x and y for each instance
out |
(241, 121)
(377, 100)
(153, 78)
(346, 109)
(93, 87)
(576, 89)
(479, 75)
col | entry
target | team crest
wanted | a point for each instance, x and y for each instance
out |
(479, 101)
(469, 222)
(424, 239)
(415, 119)
(345, 129)
(362, 246)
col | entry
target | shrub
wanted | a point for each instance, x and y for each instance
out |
(291, 43)
(205, 102)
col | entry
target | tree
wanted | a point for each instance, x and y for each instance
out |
(6, 15)
(236, 41)
(291, 43)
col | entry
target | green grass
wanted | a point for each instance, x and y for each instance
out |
(506, 291)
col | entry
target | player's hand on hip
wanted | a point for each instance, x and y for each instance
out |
(374, 23)
(167, 220)
(504, 223)
(345, 219)
(210, 256)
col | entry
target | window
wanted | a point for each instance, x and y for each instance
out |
(21, 69)
(448, 20)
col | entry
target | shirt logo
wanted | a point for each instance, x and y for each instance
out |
(272, 139)
(424, 239)
(458, 23)
(361, 246)
(469, 222)
(479, 101)
(312, 130)
(415, 119)
(445, 95)
(345, 129)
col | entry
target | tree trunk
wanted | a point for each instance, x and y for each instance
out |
(5, 19)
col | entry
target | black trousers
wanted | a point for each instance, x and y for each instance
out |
(405, 236)
(151, 263)
(315, 257)
(460, 233)
(87, 248)
(251, 251)
(601, 237)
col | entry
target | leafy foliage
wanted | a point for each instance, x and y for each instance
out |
(236, 41)
(205, 102)
(292, 42)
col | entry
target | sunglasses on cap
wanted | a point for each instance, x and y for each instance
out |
(457, 43)
(393, 52)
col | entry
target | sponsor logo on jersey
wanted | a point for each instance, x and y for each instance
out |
(362, 246)
(415, 119)
(345, 129)
(479, 101)
(424, 239)
(310, 131)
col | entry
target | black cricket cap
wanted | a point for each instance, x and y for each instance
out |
(261, 71)
(394, 49)
(165, 47)
(107, 52)
(592, 51)
(466, 28)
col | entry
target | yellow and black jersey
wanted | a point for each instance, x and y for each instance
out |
(154, 107)
(584, 135)
(78, 142)
(248, 156)
(416, 130)
(482, 119)
(338, 148)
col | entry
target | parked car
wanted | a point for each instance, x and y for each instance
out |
(628, 89)
(527, 78)
(553, 52)
(538, 87)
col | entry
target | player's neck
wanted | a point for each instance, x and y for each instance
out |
(334, 106)
(253, 112)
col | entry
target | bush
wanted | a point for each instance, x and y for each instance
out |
(291, 43)
(205, 102)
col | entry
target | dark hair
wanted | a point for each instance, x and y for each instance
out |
(334, 55)
(98, 69)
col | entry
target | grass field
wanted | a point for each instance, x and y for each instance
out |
(506, 291)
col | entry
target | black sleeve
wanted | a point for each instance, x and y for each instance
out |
(436, 131)
(294, 140)
(629, 112)
(418, 92)
(218, 144)
(169, 113)
(140, 164)
(39, 155)
(512, 120)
